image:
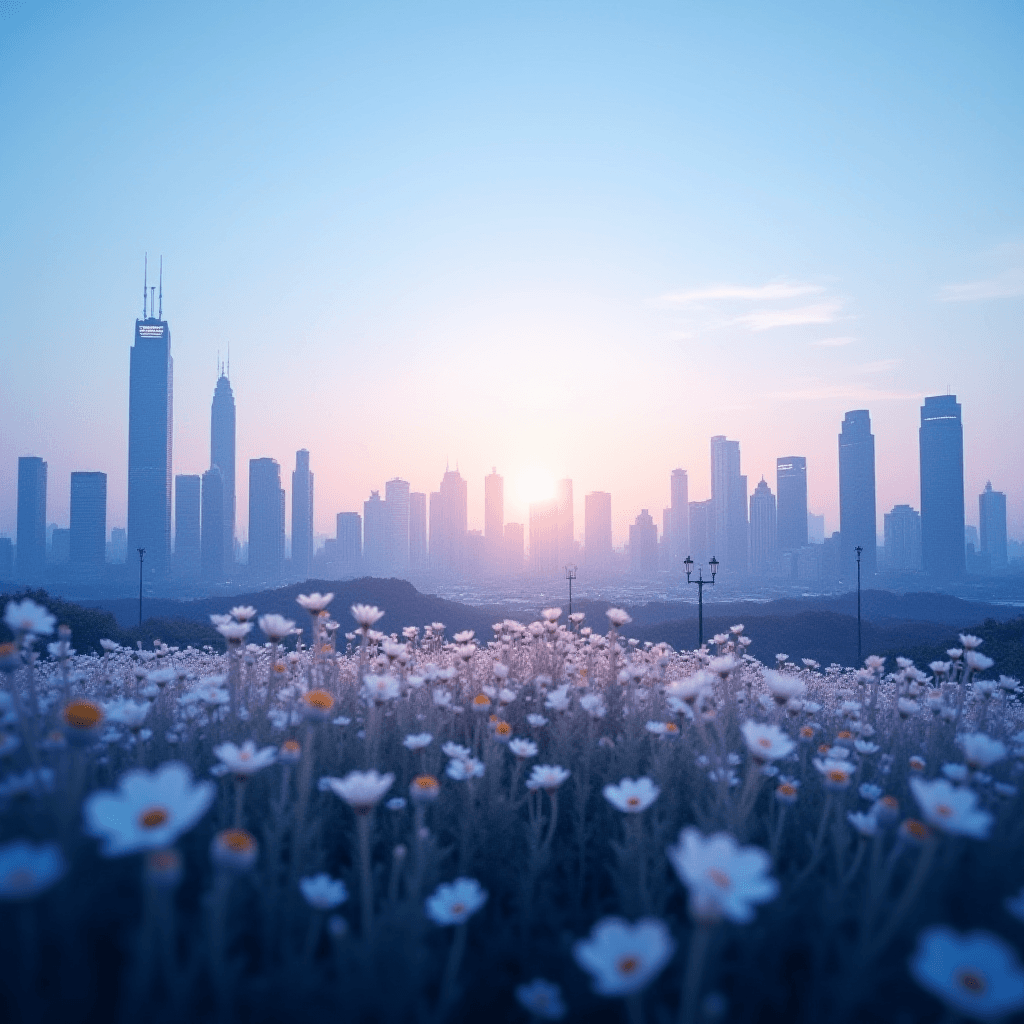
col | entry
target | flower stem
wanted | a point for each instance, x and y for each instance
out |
(365, 875)
(694, 973)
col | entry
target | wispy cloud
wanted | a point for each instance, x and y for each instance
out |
(826, 312)
(833, 342)
(1007, 285)
(819, 392)
(774, 291)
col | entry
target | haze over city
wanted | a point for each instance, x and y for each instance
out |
(631, 234)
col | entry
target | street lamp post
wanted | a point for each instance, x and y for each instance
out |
(860, 653)
(570, 575)
(142, 555)
(701, 584)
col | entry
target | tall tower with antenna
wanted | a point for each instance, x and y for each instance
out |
(222, 457)
(150, 424)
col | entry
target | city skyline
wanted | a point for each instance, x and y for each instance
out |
(600, 254)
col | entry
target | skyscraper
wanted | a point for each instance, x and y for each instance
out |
(302, 516)
(212, 560)
(992, 524)
(449, 514)
(396, 538)
(702, 532)
(729, 502)
(350, 542)
(764, 529)
(597, 529)
(266, 521)
(417, 530)
(374, 534)
(679, 526)
(88, 520)
(514, 548)
(150, 422)
(494, 515)
(544, 537)
(187, 524)
(31, 548)
(942, 487)
(222, 455)
(566, 522)
(902, 527)
(791, 483)
(857, 522)
(643, 546)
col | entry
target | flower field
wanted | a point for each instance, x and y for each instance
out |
(553, 823)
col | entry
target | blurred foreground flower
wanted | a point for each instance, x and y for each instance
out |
(455, 902)
(26, 870)
(975, 974)
(623, 958)
(322, 892)
(542, 999)
(149, 811)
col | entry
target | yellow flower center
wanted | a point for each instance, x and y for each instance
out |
(628, 964)
(153, 817)
(83, 714)
(973, 982)
(720, 878)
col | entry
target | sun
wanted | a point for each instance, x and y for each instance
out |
(533, 484)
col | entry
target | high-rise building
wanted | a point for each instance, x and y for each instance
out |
(515, 548)
(60, 545)
(902, 528)
(222, 455)
(494, 515)
(566, 522)
(266, 521)
(150, 428)
(702, 532)
(417, 530)
(118, 545)
(764, 528)
(88, 520)
(992, 524)
(396, 539)
(942, 487)
(449, 515)
(187, 524)
(643, 546)
(350, 543)
(729, 502)
(791, 484)
(375, 531)
(857, 522)
(597, 529)
(302, 516)
(544, 537)
(679, 520)
(31, 536)
(815, 528)
(213, 562)
(6, 558)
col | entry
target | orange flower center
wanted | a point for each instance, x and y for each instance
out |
(974, 983)
(823, 749)
(290, 747)
(83, 714)
(720, 878)
(628, 964)
(844, 734)
(319, 699)
(890, 803)
(837, 775)
(237, 840)
(633, 801)
(944, 810)
(807, 732)
(458, 908)
(764, 742)
(503, 729)
(916, 829)
(153, 817)
(425, 782)
(786, 789)
(671, 727)
(481, 700)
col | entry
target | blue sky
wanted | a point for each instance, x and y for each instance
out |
(559, 238)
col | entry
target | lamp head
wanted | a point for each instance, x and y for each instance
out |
(714, 566)
(688, 564)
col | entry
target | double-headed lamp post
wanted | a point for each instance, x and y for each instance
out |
(860, 653)
(570, 575)
(701, 584)
(142, 555)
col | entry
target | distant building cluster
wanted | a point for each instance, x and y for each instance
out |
(426, 536)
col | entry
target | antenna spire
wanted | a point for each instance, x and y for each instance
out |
(228, 374)
(145, 282)
(160, 315)
(152, 298)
